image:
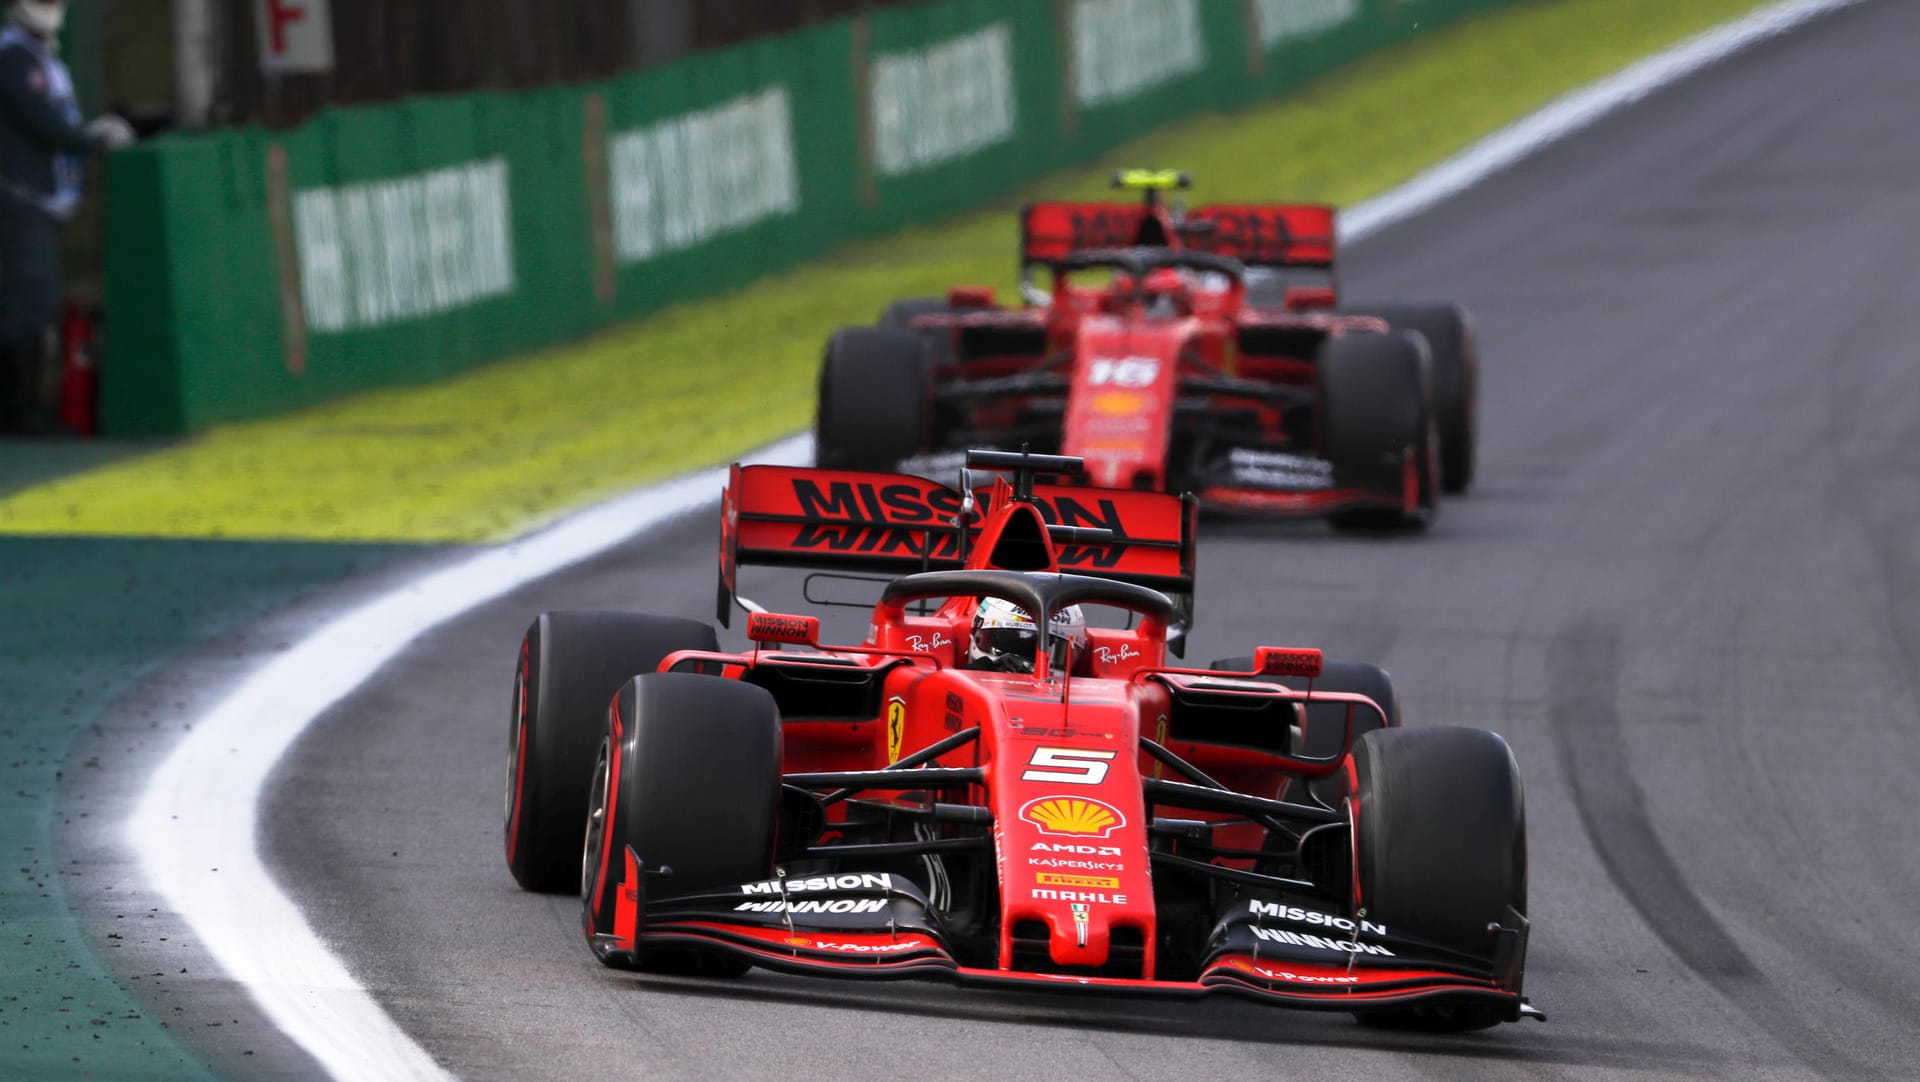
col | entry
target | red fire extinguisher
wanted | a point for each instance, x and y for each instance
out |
(79, 370)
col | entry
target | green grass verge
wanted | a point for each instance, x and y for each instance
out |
(489, 454)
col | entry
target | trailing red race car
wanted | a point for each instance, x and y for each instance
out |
(1189, 365)
(995, 787)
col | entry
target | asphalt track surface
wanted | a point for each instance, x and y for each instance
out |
(1682, 589)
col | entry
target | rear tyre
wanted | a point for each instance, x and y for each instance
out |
(875, 399)
(688, 777)
(1456, 382)
(900, 314)
(1326, 722)
(1440, 845)
(571, 663)
(1375, 415)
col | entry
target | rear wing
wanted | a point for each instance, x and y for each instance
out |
(1271, 235)
(888, 522)
(1050, 232)
(1267, 235)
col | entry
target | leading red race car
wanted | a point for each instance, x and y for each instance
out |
(1188, 365)
(993, 787)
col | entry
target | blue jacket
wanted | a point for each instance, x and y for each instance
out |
(41, 136)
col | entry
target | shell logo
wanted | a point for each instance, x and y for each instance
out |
(1073, 816)
(1119, 403)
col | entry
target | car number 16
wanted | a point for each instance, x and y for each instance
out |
(1124, 371)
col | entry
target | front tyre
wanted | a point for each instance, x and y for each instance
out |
(1376, 425)
(570, 665)
(1455, 355)
(688, 779)
(1440, 848)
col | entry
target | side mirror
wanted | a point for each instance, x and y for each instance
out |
(1286, 661)
(970, 297)
(776, 627)
(1300, 298)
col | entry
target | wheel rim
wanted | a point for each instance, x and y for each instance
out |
(596, 820)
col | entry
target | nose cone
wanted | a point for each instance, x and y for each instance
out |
(1076, 895)
(1120, 405)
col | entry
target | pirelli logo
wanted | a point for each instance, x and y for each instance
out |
(1055, 879)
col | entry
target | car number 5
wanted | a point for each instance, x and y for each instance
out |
(1069, 766)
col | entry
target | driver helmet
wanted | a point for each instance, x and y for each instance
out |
(1004, 637)
(1166, 291)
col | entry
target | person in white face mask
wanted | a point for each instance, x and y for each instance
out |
(42, 146)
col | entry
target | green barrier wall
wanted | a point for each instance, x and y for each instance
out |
(253, 271)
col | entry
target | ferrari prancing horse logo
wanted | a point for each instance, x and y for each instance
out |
(896, 727)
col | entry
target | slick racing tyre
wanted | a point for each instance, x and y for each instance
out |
(899, 316)
(1456, 382)
(571, 663)
(875, 388)
(901, 312)
(688, 777)
(1440, 845)
(1327, 722)
(1375, 410)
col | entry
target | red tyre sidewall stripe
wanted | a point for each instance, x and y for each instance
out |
(1353, 826)
(613, 802)
(519, 761)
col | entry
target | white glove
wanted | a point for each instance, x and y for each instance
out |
(112, 131)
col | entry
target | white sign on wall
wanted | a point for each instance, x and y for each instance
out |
(1121, 48)
(295, 36)
(943, 102)
(686, 180)
(1287, 20)
(404, 248)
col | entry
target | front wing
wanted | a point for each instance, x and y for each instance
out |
(1250, 481)
(880, 927)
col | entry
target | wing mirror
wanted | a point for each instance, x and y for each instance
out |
(970, 297)
(1301, 298)
(770, 627)
(1286, 661)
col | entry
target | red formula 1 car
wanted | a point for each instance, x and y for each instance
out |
(1187, 366)
(996, 785)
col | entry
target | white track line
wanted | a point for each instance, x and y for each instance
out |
(199, 810)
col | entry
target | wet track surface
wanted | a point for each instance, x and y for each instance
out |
(1683, 589)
